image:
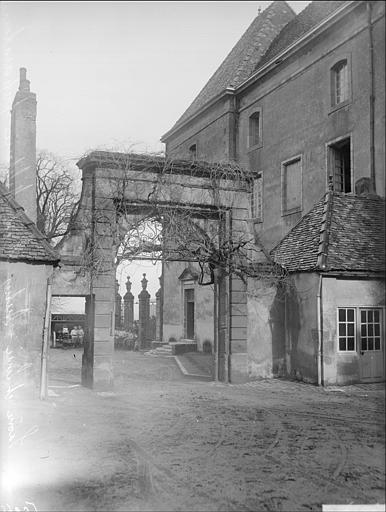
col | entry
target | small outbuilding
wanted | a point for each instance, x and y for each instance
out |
(335, 313)
(26, 263)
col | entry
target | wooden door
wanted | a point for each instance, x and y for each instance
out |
(371, 345)
(189, 314)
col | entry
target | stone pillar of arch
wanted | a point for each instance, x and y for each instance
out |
(103, 287)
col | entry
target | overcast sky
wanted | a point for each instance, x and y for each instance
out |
(113, 74)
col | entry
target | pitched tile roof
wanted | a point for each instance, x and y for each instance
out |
(243, 58)
(313, 14)
(351, 236)
(20, 240)
(271, 32)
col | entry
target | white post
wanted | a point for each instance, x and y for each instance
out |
(43, 376)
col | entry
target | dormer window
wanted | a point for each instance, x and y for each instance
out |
(254, 129)
(339, 83)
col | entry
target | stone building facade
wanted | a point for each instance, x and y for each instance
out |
(301, 110)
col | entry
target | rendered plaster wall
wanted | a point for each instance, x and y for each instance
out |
(343, 367)
(69, 281)
(173, 306)
(298, 120)
(282, 329)
(204, 316)
(173, 323)
(23, 289)
(265, 332)
(301, 323)
(379, 100)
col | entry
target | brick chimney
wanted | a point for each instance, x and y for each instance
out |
(22, 171)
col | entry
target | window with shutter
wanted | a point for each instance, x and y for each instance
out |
(292, 186)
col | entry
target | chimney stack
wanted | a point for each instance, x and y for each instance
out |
(22, 171)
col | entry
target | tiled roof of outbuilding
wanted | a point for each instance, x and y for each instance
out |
(355, 237)
(243, 58)
(313, 14)
(20, 240)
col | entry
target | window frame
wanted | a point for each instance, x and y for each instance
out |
(338, 336)
(358, 331)
(373, 309)
(259, 178)
(330, 170)
(257, 113)
(193, 152)
(334, 105)
(284, 165)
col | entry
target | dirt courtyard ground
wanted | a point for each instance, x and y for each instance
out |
(163, 441)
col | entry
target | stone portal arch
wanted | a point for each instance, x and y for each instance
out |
(117, 185)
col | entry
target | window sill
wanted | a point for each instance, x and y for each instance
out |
(256, 146)
(291, 212)
(339, 106)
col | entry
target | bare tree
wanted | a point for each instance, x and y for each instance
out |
(175, 210)
(56, 195)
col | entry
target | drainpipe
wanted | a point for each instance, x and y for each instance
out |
(372, 96)
(232, 129)
(320, 334)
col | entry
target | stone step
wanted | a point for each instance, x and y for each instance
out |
(163, 350)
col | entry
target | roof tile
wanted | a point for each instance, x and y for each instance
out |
(355, 241)
(243, 58)
(313, 14)
(19, 237)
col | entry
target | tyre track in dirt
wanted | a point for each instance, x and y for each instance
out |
(323, 471)
(151, 480)
(269, 438)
